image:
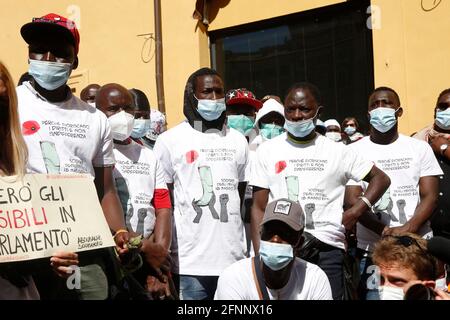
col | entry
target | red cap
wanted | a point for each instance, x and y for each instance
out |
(51, 25)
(242, 96)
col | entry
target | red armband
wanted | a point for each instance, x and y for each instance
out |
(161, 199)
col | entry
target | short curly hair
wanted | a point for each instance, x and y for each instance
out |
(390, 250)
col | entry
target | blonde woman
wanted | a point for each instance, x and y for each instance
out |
(15, 282)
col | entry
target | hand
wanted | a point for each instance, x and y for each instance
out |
(384, 232)
(441, 295)
(61, 262)
(350, 218)
(406, 228)
(121, 239)
(437, 142)
(158, 288)
(155, 254)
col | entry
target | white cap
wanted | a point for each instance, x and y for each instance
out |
(332, 122)
(269, 106)
(158, 124)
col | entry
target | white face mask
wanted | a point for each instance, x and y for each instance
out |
(121, 125)
(391, 293)
(92, 104)
(335, 136)
(441, 284)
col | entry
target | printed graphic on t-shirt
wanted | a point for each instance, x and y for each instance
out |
(51, 158)
(292, 185)
(389, 215)
(394, 164)
(309, 209)
(208, 198)
(48, 149)
(126, 197)
(312, 165)
(134, 167)
(292, 188)
(399, 192)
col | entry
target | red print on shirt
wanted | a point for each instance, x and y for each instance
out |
(280, 166)
(30, 127)
(191, 156)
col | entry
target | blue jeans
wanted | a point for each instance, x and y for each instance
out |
(197, 287)
(369, 278)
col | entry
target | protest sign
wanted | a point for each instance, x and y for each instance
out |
(41, 214)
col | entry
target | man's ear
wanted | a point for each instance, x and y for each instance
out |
(399, 112)
(75, 63)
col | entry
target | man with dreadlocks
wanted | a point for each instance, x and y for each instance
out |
(204, 162)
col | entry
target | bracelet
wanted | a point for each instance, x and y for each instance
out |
(366, 201)
(120, 231)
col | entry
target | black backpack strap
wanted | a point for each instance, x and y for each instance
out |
(259, 280)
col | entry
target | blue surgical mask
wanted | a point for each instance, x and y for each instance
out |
(269, 130)
(443, 119)
(210, 110)
(241, 123)
(276, 255)
(350, 130)
(140, 128)
(49, 75)
(300, 129)
(383, 119)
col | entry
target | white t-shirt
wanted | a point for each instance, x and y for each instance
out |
(63, 137)
(137, 174)
(307, 282)
(205, 169)
(405, 161)
(313, 174)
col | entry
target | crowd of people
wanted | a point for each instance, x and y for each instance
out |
(247, 198)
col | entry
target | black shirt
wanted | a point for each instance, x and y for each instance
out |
(440, 220)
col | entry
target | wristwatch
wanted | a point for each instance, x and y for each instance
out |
(443, 147)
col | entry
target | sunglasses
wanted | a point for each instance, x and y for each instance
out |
(406, 241)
